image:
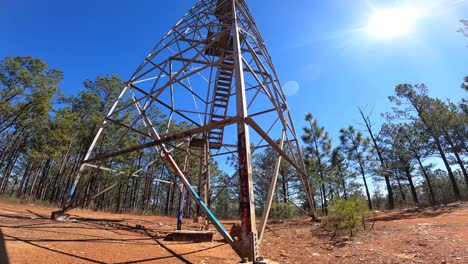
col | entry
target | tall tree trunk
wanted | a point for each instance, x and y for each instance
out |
(457, 156)
(36, 174)
(45, 171)
(410, 181)
(125, 196)
(25, 178)
(14, 155)
(144, 194)
(343, 184)
(369, 201)
(324, 194)
(173, 194)
(432, 198)
(332, 194)
(436, 138)
(14, 185)
(9, 168)
(74, 170)
(168, 198)
(153, 202)
(402, 192)
(59, 176)
(150, 194)
(322, 201)
(15, 138)
(132, 193)
(456, 191)
(322, 178)
(158, 199)
(284, 187)
(391, 202)
(119, 198)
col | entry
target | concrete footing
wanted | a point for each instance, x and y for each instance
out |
(191, 236)
(260, 261)
(59, 216)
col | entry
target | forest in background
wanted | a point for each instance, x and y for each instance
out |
(416, 157)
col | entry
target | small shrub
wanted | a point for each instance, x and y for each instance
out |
(281, 211)
(346, 214)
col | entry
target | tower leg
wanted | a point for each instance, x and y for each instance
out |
(271, 192)
(248, 247)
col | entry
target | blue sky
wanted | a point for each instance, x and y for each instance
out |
(323, 46)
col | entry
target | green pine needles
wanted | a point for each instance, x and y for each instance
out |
(346, 215)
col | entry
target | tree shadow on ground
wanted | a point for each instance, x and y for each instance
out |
(174, 254)
(156, 238)
(3, 252)
(38, 215)
(55, 225)
(127, 241)
(415, 213)
(15, 216)
(53, 250)
(89, 219)
(112, 225)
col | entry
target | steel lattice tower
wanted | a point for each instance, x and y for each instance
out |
(213, 74)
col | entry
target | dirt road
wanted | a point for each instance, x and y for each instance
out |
(27, 235)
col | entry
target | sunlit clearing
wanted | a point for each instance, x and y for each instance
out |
(393, 22)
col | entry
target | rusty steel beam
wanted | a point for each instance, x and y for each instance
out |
(248, 248)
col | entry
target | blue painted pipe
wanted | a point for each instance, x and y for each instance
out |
(70, 194)
(179, 212)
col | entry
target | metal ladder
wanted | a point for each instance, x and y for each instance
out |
(221, 95)
(224, 76)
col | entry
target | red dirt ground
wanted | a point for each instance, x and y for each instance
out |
(405, 236)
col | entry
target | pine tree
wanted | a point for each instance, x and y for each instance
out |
(318, 148)
(357, 150)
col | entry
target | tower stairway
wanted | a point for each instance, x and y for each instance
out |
(220, 102)
(223, 49)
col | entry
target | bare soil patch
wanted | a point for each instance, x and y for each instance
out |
(27, 235)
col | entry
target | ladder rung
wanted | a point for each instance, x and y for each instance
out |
(216, 131)
(225, 78)
(223, 89)
(224, 71)
(216, 134)
(221, 95)
(224, 84)
(226, 74)
(222, 98)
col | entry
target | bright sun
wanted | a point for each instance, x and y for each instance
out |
(393, 22)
